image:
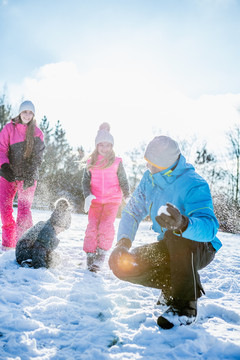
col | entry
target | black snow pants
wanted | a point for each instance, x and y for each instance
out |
(171, 265)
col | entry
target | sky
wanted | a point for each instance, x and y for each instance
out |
(148, 67)
(67, 312)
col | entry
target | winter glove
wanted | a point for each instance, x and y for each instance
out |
(172, 219)
(88, 201)
(121, 261)
(28, 183)
(8, 173)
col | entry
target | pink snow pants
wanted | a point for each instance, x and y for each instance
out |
(100, 230)
(11, 230)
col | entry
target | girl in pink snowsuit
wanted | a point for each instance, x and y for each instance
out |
(104, 184)
(21, 151)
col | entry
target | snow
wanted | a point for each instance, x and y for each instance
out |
(69, 313)
(163, 210)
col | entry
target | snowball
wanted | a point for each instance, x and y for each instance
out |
(163, 210)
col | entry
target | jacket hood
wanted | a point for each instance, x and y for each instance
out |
(168, 176)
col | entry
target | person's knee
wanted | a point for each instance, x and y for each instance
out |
(121, 275)
(126, 268)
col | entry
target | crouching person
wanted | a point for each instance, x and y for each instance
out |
(36, 246)
(179, 202)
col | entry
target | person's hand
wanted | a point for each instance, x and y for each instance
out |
(8, 173)
(28, 183)
(88, 202)
(169, 217)
(121, 261)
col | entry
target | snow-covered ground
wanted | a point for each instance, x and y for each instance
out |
(68, 313)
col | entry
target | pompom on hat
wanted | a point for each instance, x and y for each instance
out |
(104, 135)
(27, 105)
(61, 216)
(162, 152)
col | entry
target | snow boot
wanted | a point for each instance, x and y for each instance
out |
(27, 263)
(175, 315)
(99, 259)
(90, 261)
(6, 248)
(95, 260)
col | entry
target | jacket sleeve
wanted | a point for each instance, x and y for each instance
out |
(47, 237)
(45, 243)
(86, 183)
(23, 251)
(4, 145)
(203, 224)
(39, 256)
(123, 181)
(134, 212)
(26, 242)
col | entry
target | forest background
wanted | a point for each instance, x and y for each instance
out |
(62, 169)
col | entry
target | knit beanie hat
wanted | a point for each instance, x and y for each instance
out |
(162, 152)
(104, 135)
(61, 216)
(27, 105)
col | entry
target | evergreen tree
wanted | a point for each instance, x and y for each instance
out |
(60, 174)
(5, 112)
(48, 153)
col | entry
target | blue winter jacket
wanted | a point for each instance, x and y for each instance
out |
(182, 187)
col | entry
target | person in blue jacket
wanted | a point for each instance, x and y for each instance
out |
(179, 203)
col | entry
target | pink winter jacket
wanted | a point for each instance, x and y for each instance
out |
(105, 184)
(12, 145)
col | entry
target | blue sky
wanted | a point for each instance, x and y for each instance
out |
(142, 65)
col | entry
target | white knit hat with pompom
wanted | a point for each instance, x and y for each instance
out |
(61, 216)
(104, 135)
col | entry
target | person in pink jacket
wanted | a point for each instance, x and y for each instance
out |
(21, 152)
(104, 184)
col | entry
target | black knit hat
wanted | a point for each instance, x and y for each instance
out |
(61, 216)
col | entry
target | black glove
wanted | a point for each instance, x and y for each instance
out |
(8, 173)
(175, 221)
(120, 250)
(28, 183)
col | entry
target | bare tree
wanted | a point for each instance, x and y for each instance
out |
(135, 165)
(234, 151)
